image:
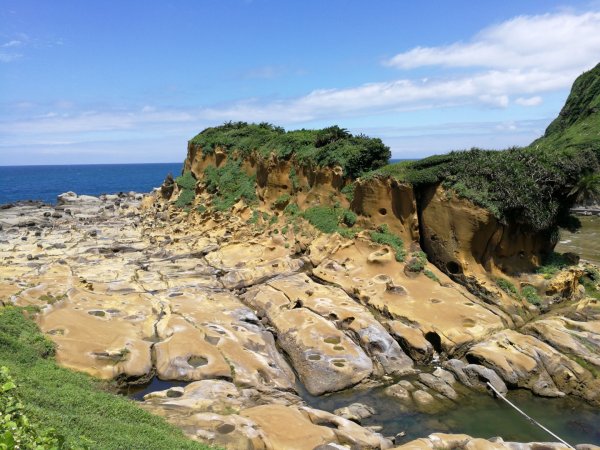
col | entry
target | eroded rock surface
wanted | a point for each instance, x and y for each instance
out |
(130, 288)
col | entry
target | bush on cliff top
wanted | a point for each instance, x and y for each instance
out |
(325, 148)
(526, 185)
(74, 404)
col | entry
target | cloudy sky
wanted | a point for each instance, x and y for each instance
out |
(132, 81)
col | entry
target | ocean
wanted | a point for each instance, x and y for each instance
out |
(46, 182)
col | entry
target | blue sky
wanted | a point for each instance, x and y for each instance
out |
(132, 81)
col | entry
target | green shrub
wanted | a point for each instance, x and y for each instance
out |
(285, 229)
(418, 262)
(323, 218)
(294, 179)
(348, 191)
(530, 294)
(292, 209)
(324, 148)
(282, 201)
(186, 197)
(186, 181)
(228, 184)
(349, 218)
(201, 208)
(507, 287)
(384, 236)
(255, 217)
(552, 264)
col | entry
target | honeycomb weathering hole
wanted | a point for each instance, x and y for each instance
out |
(453, 267)
(382, 211)
(197, 361)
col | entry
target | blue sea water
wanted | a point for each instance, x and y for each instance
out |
(46, 182)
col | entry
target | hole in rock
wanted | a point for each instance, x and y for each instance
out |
(314, 357)
(197, 361)
(332, 340)
(338, 362)
(435, 340)
(382, 211)
(97, 313)
(212, 340)
(225, 428)
(174, 393)
(453, 267)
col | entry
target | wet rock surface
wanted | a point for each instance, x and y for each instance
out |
(130, 288)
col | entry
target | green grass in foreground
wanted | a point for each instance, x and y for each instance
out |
(72, 403)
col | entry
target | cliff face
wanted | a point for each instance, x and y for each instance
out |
(459, 237)
(462, 238)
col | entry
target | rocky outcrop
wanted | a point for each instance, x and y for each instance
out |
(525, 362)
(464, 239)
(386, 201)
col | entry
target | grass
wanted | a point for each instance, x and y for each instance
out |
(324, 218)
(383, 236)
(72, 403)
(507, 287)
(418, 262)
(552, 264)
(327, 147)
(229, 184)
(530, 294)
(282, 201)
(432, 276)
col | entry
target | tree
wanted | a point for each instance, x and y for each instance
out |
(587, 189)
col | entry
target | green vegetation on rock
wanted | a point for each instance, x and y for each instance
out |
(432, 276)
(76, 406)
(384, 236)
(530, 294)
(553, 263)
(323, 218)
(348, 191)
(534, 186)
(186, 198)
(229, 184)
(417, 262)
(323, 148)
(187, 183)
(507, 287)
(282, 201)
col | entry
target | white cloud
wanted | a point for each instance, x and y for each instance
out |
(562, 41)
(529, 101)
(13, 43)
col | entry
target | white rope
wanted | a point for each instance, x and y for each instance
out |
(531, 419)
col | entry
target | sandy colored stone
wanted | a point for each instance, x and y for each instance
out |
(450, 315)
(288, 428)
(526, 362)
